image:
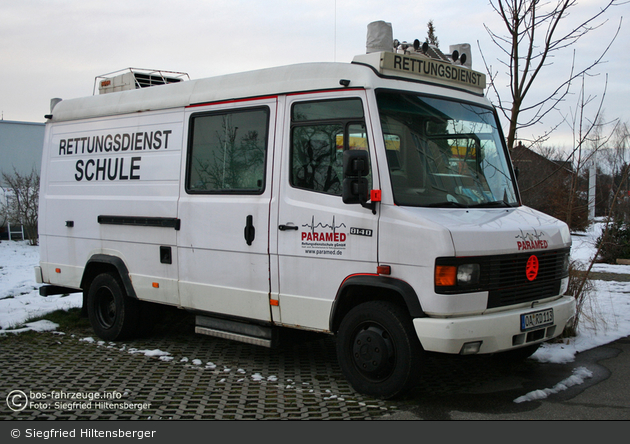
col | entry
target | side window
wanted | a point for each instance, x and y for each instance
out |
(227, 152)
(320, 132)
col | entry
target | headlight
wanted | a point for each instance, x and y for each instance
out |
(462, 275)
(468, 274)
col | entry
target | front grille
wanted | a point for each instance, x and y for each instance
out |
(507, 282)
(504, 276)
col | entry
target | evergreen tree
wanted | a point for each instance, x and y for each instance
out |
(431, 37)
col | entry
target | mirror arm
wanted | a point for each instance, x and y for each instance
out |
(375, 196)
(370, 206)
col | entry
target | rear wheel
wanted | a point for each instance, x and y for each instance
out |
(378, 350)
(112, 314)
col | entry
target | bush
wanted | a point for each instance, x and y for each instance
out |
(581, 288)
(614, 242)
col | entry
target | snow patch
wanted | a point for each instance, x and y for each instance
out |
(39, 326)
(164, 356)
(580, 374)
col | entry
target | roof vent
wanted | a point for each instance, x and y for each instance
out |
(379, 37)
(135, 78)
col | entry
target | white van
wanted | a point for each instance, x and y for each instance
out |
(374, 200)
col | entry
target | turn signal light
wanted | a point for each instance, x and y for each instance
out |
(445, 275)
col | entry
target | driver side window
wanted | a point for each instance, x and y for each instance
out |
(320, 132)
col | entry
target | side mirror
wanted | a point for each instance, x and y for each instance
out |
(355, 190)
(356, 163)
(356, 166)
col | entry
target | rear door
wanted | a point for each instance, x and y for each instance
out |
(223, 243)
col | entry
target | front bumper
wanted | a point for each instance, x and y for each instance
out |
(496, 331)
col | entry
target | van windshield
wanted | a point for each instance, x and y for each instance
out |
(444, 153)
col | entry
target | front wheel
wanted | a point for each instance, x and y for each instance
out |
(112, 314)
(378, 350)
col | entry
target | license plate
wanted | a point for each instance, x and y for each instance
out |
(536, 319)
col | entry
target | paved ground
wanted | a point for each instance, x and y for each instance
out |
(202, 378)
(210, 378)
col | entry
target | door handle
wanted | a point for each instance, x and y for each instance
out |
(287, 227)
(250, 231)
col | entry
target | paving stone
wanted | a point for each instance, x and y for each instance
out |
(202, 378)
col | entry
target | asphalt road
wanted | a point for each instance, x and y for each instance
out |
(604, 396)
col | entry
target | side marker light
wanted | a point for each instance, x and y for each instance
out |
(384, 269)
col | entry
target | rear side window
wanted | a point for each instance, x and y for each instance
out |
(227, 152)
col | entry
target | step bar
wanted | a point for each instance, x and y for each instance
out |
(237, 331)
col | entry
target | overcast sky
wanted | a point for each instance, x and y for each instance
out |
(56, 48)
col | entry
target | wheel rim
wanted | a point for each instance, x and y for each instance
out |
(105, 308)
(373, 352)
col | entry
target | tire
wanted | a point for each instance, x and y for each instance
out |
(378, 351)
(112, 314)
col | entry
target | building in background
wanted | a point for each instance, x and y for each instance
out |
(20, 150)
(548, 185)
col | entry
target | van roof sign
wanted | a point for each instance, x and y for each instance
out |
(418, 67)
(419, 61)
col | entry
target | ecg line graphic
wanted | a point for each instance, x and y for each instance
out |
(332, 227)
(530, 236)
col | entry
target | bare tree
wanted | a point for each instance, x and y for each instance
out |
(22, 203)
(534, 36)
(589, 138)
(550, 190)
(613, 159)
(618, 162)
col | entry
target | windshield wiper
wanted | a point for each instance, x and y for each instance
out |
(495, 204)
(448, 204)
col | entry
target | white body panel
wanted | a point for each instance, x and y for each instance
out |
(120, 177)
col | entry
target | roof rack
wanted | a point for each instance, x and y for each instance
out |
(135, 78)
